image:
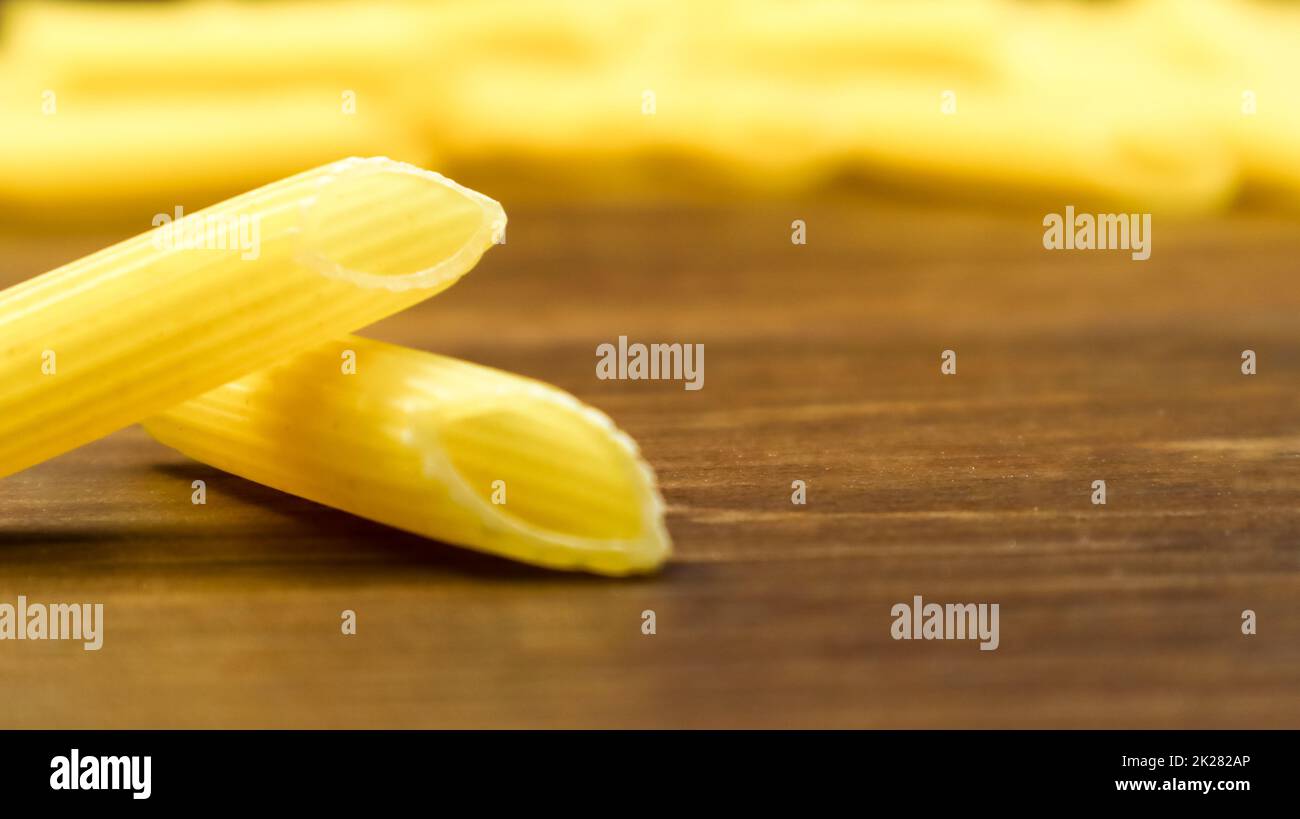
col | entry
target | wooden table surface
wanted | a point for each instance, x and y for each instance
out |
(822, 365)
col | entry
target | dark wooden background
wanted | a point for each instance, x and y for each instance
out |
(822, 364)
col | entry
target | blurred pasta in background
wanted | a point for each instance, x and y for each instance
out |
(1191, 107)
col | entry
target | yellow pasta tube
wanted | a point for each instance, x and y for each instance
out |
(443, 448)
(207, 44)
(122, 334)
(93, 159)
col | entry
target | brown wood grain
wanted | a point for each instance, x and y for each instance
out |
(822, 365)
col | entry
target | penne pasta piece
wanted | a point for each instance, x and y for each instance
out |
(443, 448)
(126, 332)
(1137, 105)
(96, 160)
(129, 47)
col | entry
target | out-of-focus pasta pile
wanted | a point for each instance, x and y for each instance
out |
(1186, 106)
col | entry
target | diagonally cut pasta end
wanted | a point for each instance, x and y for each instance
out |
(439, 220)
(450, 450)
(553, 481)
(208, 297)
